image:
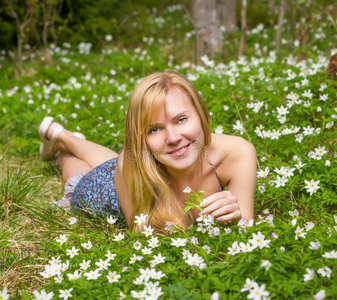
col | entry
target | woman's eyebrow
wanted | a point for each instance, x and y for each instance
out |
(173, 118)
(180, 113)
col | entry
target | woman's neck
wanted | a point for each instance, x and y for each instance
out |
(180, 179)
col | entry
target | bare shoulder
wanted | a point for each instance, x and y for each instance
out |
(229, 154)
(230, 148)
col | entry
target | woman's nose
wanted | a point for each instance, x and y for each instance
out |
(173, 135)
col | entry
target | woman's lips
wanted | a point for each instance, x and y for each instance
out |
(179, 152)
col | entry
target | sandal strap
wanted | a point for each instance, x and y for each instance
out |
(56, 132)
(46, 122)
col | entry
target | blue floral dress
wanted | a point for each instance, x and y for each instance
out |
(94, 192)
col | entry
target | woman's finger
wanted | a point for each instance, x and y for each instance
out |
(216, 209)
(222, 202)
(234, 215)
(215, 197)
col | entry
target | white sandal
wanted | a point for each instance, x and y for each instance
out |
(46, 147)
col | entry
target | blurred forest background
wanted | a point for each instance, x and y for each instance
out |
(30, 25)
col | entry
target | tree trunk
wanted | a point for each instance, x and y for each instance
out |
(292, 22)
(243, 27)
(55, 15)
(280, 25)
(20, 35)
(306, 30)
(227, 9)
(45, 34)
(47, 10)
(28, 17)
(206, 21)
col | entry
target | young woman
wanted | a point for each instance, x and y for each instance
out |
(168, 146)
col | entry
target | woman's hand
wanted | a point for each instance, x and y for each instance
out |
(222, 205)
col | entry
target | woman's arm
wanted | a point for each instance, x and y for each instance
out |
(123, 191)
(242, 182)
(238, 168)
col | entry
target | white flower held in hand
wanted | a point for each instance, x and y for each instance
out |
(187, 190)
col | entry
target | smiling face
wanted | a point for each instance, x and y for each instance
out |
(175, 137)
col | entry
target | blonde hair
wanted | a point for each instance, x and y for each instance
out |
(149, 188)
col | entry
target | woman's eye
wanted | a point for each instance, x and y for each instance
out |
(154, 130)
(182, 119)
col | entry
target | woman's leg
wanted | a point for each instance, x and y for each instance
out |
(90, 153)
(71, 166)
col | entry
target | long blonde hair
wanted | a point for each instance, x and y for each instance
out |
(149, 187)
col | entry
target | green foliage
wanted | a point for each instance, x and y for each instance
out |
(193, 201)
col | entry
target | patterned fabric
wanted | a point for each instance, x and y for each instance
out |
(68, 191)
(95, 192)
